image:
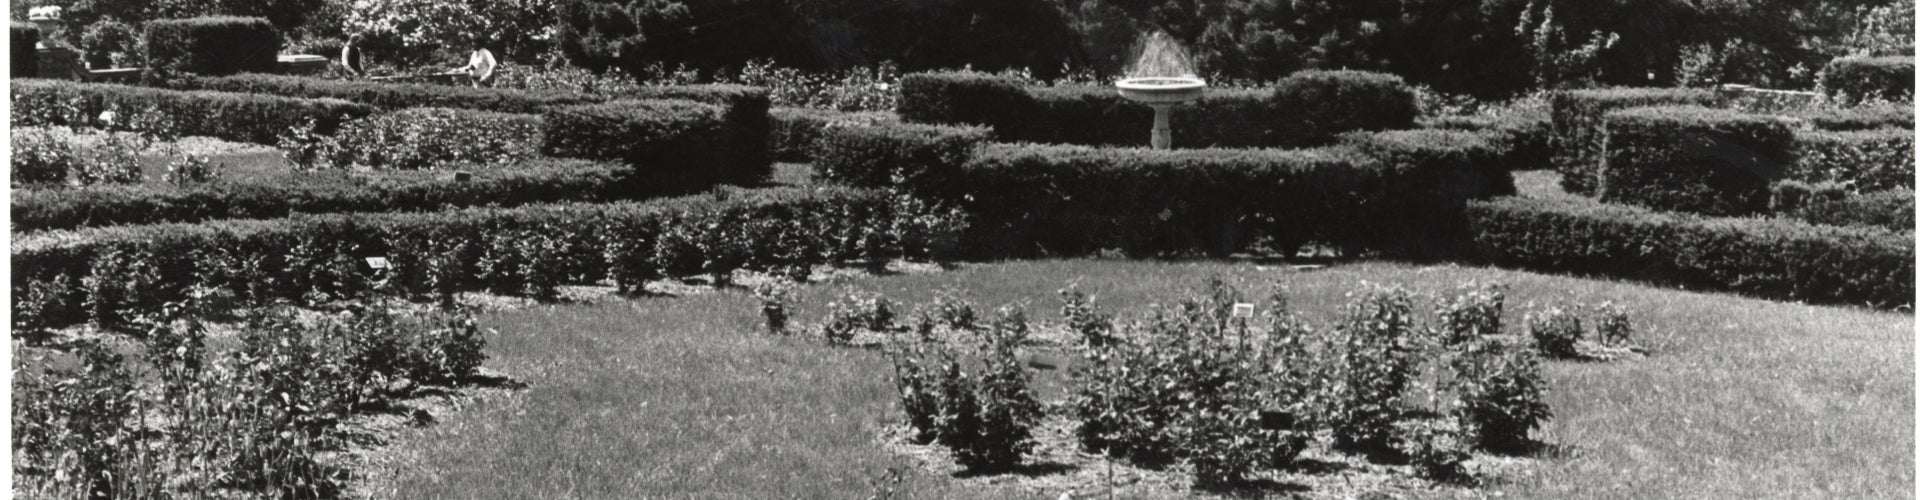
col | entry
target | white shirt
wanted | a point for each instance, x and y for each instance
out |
(481, 64)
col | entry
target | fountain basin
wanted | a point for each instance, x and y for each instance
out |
(1161, 90)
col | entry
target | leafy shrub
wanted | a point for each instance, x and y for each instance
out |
(1502, 394)
(1852, 79)
(1868, 116)
(23, 59)
(886, 154)
(967, 98)
(1083, 316)
(218, 45)
(41, 158)
(1077, 199)
(390, 96)
(1435, 447)
(1318, 105)
(855, 312)
(1525, 141)
(796, 131)
(1471, 312)
(1614, 327)
(427, 138)
(1693, 159)
(1579, 127)
(258, 119)
(1864, 160)
(1767, 258)
(1008, 409)
(1832, 204)
(111, 44)
(1556, 330)
(190, 169)
(1378, 357)
(535, 181)
(679, 145)
(776, 304)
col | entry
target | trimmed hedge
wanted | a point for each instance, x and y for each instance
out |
(1525, 140)
(1834, 205)
(1470, 156)
(967, 98)
(215, 45)
(884, 154)
(1317, 105)
(391, 96)
(425, 138)
(538, 181)
(1868, 117)
(254, 118)
(748, 122)
(1309, 108)
(1063, 199)
(1768, 258)
(1578, 126)
(797, 130)
(23, 56)
(672, 144)
(105, 274)
(1865, 160)
(1694, 159)
(1853, 79)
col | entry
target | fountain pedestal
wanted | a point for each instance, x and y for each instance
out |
(1162, 94)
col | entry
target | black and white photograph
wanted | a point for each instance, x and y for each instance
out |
(961, 249)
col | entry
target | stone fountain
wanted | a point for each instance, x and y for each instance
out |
(1161, 77)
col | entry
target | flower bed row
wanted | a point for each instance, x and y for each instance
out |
(529, 182)
(1777, 259)
(108, 275)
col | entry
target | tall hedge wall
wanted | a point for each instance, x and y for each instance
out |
(1852, 79)
(1862, 160)
(216, 45)
(671, 144)
(241, 117)
(1693, 159)
(23, 57)
(1776, 259)
(1578, 118)
(748, 123)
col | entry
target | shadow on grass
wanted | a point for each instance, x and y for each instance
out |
(1535, 449)
(1028, 470)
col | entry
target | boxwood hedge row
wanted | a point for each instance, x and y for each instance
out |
(1693, 159)
(1526, 140)
(1863, 160)
(1579, 121)
(1305, 109)
(672, 144)
(1852, 79)
(389, 95)
(880, 155)
(1776, 259)
(1836, 205)
(241, 117)
(796, 131)
(529, 182)
(111, 273)
(1866, 117)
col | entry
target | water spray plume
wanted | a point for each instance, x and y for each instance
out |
(1160, 56)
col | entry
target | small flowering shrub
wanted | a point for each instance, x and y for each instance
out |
(190, 169)
(857, 311)
(1378, 351)
(41, 158)
(1435, 447)
(1083, 316)
(1471, 312)
(776, 304)
(1556, 330)
(1502, 393)
(428, 138)
(973, 398)
(1614, 327)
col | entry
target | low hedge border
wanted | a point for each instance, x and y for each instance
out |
(1063, 199)
(1579, 126)
(1835, 205)
(1854, 79)
(240, 117)
(109, 274)
(885, 154)
(1526, 140)
(673, 144)
(796, 131)
(1693, 159)
(389, 95)
(1476, 160)
(748, 158)
(1863, 160)
(529, 182)
(1867, 117)
(1775, 259)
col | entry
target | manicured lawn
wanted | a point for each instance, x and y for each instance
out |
(679, 397)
